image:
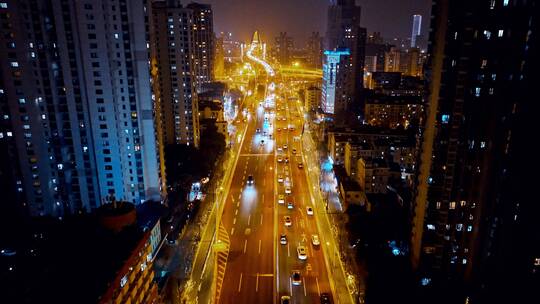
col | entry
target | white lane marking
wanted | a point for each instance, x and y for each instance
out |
(232, 231)
(240, 282)
(257, 283)
(238, 204)
(318, 289)
(290, 285)
(245, 245)
(289, 249)
(234, 221)
(259, 246)
(236, 212)
(249, 219)
(261, 218)
(304, 280)
(239, 196)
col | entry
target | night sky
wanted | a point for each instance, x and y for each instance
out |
(393, 18)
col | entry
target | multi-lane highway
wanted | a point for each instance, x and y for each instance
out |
(260, 261)
(313, 273)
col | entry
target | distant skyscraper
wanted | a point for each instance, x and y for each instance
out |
(75, 89)
(334, 88)
(219, 58)
(416, 29)
(284, 48)
(231, 48)
(476, 216)
(202, 35)
(343, 31)
(315, 49)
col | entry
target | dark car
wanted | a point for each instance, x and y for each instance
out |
(325, 298)
(250, 180)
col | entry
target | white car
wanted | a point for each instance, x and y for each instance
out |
(285, 147)
(302, 253)
(281, 199)
(315, 240)
(280, 178)
(279, 159)
(290, 205)
(288, 190)
(279, 149)
(288, 221)
(309, 211)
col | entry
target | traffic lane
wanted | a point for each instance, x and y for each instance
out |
(289, 261)
(243, 198)
(318, 271)
(318, 267)
(247, 257)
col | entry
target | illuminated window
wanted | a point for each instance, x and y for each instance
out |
(463, 203)
(452, 205)
(445, 118)
(484, 63)
(3, 5)
(477, 92)
(14, 64)
(430, 227)
(469, 228)
(438, 205)
(505, 2)
(487, 34)
(459, 227)
(501, 33)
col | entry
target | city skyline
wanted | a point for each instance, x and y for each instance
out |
(269, 18)
(149, 155)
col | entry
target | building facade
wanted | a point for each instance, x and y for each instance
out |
(283, 48)
(416, 30)
(343, 31)
(336, 84)
(202, 35)
(76, 80)
(472, 224)
(315, 50)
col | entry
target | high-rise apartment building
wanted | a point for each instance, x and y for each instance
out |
(202, 35)
(315, 50)
(283, 48)
(75, 89)
(219, 58)
(416, 30)
(474, 217)
(173, 49)
(344, 31)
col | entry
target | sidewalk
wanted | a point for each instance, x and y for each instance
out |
(341, 254)
(176, 261)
